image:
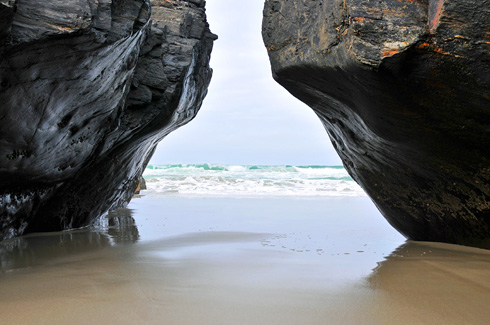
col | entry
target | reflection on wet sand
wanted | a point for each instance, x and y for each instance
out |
(245, 262)
(117, 227)
(121, 226)
(433, 283)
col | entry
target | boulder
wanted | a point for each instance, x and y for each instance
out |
(88, 89)
(403, 89)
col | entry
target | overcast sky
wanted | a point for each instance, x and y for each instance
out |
(246, 118)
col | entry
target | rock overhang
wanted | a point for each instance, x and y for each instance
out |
(88, 89)
(402, 89)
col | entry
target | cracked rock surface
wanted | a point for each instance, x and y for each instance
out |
(403, 89)
(87, 90)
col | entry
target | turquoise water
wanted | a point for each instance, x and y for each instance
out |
(249, 180)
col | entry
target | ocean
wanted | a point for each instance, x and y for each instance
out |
(218, 180)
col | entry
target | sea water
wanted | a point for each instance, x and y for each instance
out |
(250, 180)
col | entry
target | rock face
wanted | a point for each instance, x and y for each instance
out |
(87, 89)
(403, 89)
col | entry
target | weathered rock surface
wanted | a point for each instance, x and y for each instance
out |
(403, 89)
(87, 89)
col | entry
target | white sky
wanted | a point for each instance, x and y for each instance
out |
(246, 118)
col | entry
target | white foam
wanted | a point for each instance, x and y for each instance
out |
(247, 181)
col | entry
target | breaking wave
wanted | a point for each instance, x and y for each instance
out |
(249, 181)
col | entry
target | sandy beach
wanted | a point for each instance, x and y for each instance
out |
(182, 260)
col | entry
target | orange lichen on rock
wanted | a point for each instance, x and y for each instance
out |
(389, 52)
(433, 48)
(362, 19)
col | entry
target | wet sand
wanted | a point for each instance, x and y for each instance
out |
(241, 261)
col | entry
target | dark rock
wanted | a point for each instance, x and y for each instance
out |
(88, 88)
(402, 87)
(143, 184)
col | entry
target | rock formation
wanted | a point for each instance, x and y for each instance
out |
(403, 89)
(87, 89)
